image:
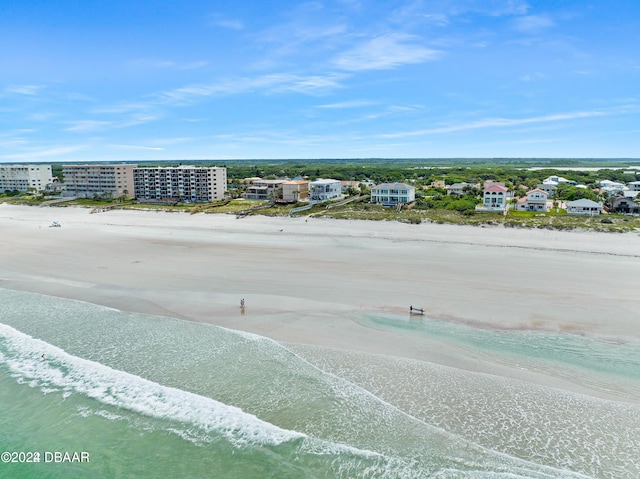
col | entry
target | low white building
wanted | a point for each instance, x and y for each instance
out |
(634, 186)
(324, 190)
(584, 207)
(536, 200)
(25, 178)
(390, 194)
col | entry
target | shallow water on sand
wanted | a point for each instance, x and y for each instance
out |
(155, 397)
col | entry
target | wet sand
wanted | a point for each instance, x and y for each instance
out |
(305, 280)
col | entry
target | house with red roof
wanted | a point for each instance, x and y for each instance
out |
(536, 200)
(494, 198)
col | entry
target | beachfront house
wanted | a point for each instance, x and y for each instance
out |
(584, 207)
(625, 203)
(295, 190)
(494, 199)
(264, 190)
(536, 200)
(324, 190)
(390, 194)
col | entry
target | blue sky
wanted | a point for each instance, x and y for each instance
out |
(132, 80)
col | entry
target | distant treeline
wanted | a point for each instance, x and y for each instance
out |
(452, 170)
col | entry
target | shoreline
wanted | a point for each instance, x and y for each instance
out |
(305, 280)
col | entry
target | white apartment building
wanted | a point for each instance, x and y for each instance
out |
(181, 183)
(87, 181)
(25, 178)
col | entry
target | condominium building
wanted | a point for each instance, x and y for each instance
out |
(107, 181)
(181, 183)
(25, 177)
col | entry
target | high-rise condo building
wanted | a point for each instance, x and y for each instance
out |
(107, 181)
(181, 183)
(25, 178)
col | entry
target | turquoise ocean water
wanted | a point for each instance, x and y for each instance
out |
(149, 397)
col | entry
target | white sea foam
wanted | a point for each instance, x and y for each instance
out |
(69, 374)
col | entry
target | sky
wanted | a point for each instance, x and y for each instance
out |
(192, 79)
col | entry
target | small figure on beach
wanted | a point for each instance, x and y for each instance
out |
(242, 303)
(43, 358)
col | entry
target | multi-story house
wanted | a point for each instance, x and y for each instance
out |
(494, 198)
(536, 200)
(295, 190)
(264, 189)
(390, 194)
(324, 189)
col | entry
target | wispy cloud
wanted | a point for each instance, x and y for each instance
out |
(169, 64)
(385, 52)
(136, 147)
(499, 123)
(532, 23)
(274, 83)
(25, 89)
(232, 24)
(84, 126)
(347, 104)
(45, 153)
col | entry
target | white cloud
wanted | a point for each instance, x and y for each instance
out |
(346, 104)
(25, 89)
(532, 23)
(385, 52)
(498, 123)
(46, 153)
(169, 64)
(274, 83)
(136, 147)
(87, 125)
(232, 24)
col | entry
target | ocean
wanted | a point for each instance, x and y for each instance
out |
(89, 391)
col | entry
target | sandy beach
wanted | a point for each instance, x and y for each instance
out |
(304, 279)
